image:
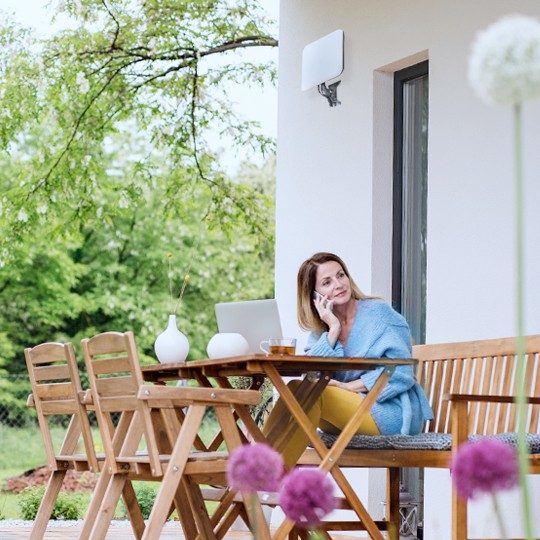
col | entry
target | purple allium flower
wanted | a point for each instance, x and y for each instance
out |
(306, 496)
(254, 467)
(484, 467)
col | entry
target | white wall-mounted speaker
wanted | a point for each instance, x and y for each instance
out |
(322, 60)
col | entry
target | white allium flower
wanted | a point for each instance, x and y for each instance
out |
(82, 82)
(42, 209)
(124, 200)
(22, 216)
(504, 66)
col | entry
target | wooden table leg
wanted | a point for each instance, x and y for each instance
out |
(330, 457)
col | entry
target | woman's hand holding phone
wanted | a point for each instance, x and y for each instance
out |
(324, 308)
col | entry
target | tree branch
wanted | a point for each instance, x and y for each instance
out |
(117, 31)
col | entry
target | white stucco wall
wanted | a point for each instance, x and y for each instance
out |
(327, 158)
(325, 161)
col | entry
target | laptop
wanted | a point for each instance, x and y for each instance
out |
(254, 319)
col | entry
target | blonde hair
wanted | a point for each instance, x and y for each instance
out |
(308, 318)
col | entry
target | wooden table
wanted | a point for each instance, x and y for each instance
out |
(275, 367)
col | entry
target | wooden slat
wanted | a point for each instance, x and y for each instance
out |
(118, 403)
(506, 389)
(486, 347)
(436, 385)
(494, 410)
(491, 399)
(107, 343)
(62, 406)
(117, 386)
(444, 423)
(426, 370)
(486, 390)
(104, 366)
(47, 352)
(55, 391)
(477, 370)
(182, 396)
(512, 407)
(53, 372)
(533, 421)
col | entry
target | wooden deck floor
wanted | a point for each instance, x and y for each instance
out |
(115, 533)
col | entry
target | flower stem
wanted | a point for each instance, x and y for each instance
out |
(498, 515)
(523, 453)
(170, 282)
(255, 531)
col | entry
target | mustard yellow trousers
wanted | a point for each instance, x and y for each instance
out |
(331, 412)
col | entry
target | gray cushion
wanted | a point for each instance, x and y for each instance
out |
(424, 441)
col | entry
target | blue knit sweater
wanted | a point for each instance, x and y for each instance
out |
(380, 332)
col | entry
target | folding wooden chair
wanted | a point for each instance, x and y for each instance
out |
(154, 416)
(188, 469)
(57, 391)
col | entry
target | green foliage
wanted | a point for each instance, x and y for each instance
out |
(146, 495)
(106, 169)
(158, 70)
(67, 506)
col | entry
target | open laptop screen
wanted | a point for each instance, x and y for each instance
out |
(256, 320)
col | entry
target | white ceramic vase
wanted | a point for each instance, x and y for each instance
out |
(226, 344)
(171, 346)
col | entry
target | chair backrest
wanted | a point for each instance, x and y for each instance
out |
(57, 390)
(486, 367)
(115, 376)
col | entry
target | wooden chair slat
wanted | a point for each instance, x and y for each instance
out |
(106, 366)
(107, 343)
(47, 352)
(61, 406)
(55, 391)
(118, 403)
(51, 373)
(117, 386)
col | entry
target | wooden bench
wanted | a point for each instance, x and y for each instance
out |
(470, 388)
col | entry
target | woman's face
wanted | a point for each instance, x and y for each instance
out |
(331, 281)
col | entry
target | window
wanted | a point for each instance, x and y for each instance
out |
(409, 233)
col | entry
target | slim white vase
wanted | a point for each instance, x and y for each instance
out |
(171, 346)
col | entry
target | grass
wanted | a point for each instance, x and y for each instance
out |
(21, 449)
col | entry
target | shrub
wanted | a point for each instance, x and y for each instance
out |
(67, 506)
(146, 495)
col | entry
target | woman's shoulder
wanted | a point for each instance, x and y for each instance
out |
(375, 307)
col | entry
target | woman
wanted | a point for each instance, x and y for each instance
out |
(345, 322)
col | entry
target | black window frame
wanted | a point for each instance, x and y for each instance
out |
(400, 78)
